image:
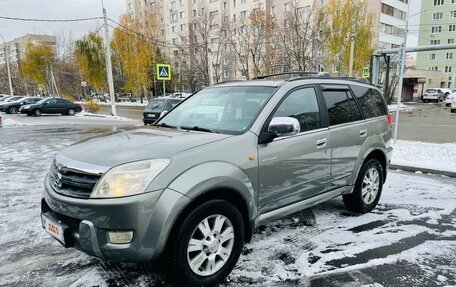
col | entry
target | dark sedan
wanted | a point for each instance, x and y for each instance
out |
(51, 106)
(13, 107)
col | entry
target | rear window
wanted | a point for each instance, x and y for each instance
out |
(370, 102)
(431, 91)
(156, 105)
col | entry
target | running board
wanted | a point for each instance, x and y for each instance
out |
(301, 205)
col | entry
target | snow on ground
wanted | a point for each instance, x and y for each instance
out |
(10, 123)
(425, 155)
(102, 116)
(125, 104)
(405, 108)
(408, 240)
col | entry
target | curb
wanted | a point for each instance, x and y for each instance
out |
(424, 170)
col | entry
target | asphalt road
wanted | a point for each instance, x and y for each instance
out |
(427, 122)
(407, 241)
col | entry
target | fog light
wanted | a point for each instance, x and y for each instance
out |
(120, 237)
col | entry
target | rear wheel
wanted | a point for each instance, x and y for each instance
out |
(12, 110)
(368, 188)
(37, 112)
(207, 244)
(71, 112)
(425, 101)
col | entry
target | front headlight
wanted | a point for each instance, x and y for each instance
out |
(128, 179)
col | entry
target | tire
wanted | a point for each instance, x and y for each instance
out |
(37, 112)
(425, 101)
(12, 110)
(29, 115)
(367, 192)
(71, 112)
(453, 110)
(202, 274)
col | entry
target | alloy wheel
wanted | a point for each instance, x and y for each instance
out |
(370, 185)
(210, 245)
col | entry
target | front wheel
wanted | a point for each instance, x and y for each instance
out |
(207, 244)
(368, 188)
(37, 113)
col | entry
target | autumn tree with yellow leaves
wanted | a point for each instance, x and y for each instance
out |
(36, 65)
(135, 54)
(342, 15)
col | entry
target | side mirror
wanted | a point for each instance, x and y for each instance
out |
(280, 127)
(163, 113)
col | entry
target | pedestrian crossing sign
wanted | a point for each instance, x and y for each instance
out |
(163, 72)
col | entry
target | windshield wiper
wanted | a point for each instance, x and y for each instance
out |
(165, 125)
(199, 129)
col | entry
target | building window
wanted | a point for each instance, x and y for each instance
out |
(225, 5)
(183, 27)
(243, 1)
(449, 56)
(226, 74)
(273, 10)
(213, 13)
(447, 69)
(174, 41)
(451, 41)
(182, 15)
(432, 57)
(434, 42)
(453, 14)
(173, 29)
(437, 16)
(286, 23)
(452, 28)
(243, 15)
(194, 13)
(435, 68)
(286, 7)
(436, 29)
(438, 2)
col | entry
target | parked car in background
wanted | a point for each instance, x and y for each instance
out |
(157, 106)
(190, 190)
(9, 100)
(450, 98)
(51, 106)
(13, 107)
(445, 91)
(433, 94)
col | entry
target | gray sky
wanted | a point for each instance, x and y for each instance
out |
(55, 9)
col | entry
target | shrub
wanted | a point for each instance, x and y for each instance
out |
(91, 106)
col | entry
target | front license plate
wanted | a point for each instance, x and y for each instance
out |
(151, 115)
(53, 228)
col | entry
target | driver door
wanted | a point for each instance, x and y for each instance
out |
(50, 106)
(295, 168)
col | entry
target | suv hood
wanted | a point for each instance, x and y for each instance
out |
(138, 144)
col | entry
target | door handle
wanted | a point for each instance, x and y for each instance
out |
(321, 143)
(363, 133)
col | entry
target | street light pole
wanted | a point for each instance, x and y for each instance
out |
(7, 66)
(352, 47)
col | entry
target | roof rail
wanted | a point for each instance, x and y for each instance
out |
(300, 73)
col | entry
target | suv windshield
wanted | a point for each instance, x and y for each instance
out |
(228, 110)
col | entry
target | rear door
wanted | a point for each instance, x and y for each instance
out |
(294, 168)
(50, 106)
(347, 131)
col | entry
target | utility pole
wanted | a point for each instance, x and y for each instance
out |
(109, 64)
(352, 47)
(54, 83)
(403, 52)
(5, 50)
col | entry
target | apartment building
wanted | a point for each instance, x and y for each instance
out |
(438, 27)
(16, 48)
(177, 23)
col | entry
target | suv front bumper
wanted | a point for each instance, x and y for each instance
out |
(87, 221)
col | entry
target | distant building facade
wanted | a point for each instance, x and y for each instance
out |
(176, 20)
(16, 48)
(438, 27)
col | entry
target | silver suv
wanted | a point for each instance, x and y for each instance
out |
(192, 188)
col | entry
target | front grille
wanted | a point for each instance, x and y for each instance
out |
(72, 182)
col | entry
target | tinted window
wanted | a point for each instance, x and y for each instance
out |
(302, 105)
(370, 101)
(171, 104)
(52, 101)
(62, 101)
(338, 105)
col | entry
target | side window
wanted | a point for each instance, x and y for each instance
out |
(338, 106)
(302, 105)
(370, 101)
(62, 101)
(355, 112)
(52, 101)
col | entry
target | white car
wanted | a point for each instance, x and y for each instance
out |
(433, 94)
(450, 99)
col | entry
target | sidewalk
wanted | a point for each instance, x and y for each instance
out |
(425, 157)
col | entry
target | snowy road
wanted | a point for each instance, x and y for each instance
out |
(409, 240)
